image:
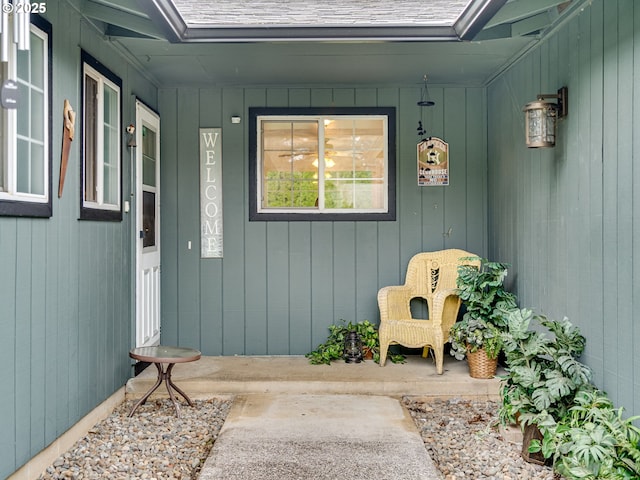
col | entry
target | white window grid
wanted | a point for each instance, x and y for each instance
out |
(321, 120)
(9, 191)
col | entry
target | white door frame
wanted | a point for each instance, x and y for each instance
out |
(147, 232)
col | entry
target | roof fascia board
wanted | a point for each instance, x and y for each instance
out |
(168, 19)
(165, 15)
(475, 17)
(293, 33)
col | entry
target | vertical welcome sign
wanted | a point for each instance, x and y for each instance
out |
(211, 192)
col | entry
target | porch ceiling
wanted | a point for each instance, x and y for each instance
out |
(193, 43)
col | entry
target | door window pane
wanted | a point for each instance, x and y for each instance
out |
(148, 157)
(149, 219)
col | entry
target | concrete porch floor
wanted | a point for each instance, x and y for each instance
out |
(211, 376)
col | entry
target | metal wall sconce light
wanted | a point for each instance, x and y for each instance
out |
(541, 118)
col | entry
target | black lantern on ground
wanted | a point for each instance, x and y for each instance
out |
(352, 348)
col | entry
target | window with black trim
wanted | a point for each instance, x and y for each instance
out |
(322, 163)
(25, 131)
(101, 142)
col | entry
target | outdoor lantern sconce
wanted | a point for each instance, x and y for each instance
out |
(352, 348)
(541, 118)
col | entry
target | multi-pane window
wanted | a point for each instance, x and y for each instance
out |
(25, 166)
(318, 165)
(101, 172)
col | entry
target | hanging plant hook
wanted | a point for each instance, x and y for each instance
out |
(425, 100)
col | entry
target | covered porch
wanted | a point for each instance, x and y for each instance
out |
(564, 218)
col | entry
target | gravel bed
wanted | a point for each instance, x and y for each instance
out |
(464, 441)
(153, 444)
(461, 437)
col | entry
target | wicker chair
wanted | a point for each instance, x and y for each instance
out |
(431, 276)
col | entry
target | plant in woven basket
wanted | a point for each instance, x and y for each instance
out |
(333, 348)
(473, 334)
(482, 291)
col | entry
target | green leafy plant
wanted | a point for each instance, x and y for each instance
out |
(482, 291)
(333, 348)
(543, 373)
(593, 440)
(472, 334)
(546, 385)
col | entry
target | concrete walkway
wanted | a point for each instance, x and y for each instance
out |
(294, 421)
(320, 437)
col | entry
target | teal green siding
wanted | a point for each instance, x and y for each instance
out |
(65, 289)
(564, 217)
(280, 284)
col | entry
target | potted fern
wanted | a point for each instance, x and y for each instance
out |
(332, 348)
(478, 335)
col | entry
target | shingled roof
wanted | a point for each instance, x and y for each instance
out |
(325, 13)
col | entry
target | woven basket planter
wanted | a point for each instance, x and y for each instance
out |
(480, 365)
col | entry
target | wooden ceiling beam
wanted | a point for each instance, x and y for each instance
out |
(113, 15)
(518, 10)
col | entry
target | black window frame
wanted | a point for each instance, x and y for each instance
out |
(255, 215)
(88, 213)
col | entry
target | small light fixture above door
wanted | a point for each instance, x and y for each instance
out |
(541, 118)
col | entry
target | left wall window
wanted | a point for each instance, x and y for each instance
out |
(25, 131)
(102, 158)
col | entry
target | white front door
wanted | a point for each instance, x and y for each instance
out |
(147, 197)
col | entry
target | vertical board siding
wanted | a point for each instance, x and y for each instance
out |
(188, 183)
(635, 260)
(281, 284)
(564, 216)
(65, 292)
(168, 105)
(8, 297)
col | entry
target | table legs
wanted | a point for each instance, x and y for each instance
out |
(164, 375)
